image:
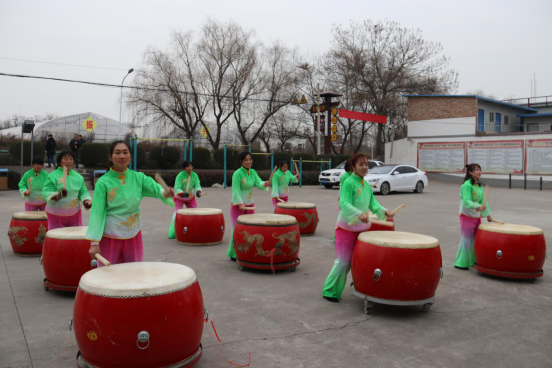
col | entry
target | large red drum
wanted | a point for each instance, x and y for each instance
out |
(377, 227)
(27, 231)
(142, 314)
(267, 241)
(65, 258)
(509, 250)
(305, 214)
(396, 268)
(199, 226)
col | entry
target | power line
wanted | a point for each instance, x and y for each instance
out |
(47, 62)
(138, 88)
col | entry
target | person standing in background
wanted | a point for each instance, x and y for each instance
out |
(50, 149)
(74, 145)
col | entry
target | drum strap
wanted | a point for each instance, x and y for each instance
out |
(207, 322)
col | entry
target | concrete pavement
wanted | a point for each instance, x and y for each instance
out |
(283, 320)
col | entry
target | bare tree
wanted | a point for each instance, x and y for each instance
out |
(378, 62)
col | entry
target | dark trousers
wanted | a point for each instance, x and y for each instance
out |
(51, 160)
(76, 157)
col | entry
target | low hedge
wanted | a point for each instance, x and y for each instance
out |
(94, 154)
(210, 177)
(8, 160)
(201, 158)
(15, 151)
(13, 179)
(165, 157)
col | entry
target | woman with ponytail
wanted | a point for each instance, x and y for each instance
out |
(473, 207)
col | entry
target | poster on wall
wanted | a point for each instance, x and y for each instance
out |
(538, 157)
(447, 157)
(497, 157)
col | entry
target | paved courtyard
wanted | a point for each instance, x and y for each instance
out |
(283, 320)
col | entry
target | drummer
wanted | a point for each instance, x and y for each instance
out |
(280, 183)
(348, 173)
(355, 201)
(115, 221)
(64, 194)
(472, 209)
(186, 188)
(31, 185)
(243, 181)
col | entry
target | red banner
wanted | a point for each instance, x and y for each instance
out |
(372, 118)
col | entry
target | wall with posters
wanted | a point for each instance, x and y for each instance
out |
(538, 157)
(497, 154)
(447, 157)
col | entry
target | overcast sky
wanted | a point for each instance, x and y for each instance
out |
(495, 46)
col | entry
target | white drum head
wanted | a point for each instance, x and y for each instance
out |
(30, 215)
(267, 219)
(398, 239)
(68, 233)
(296, 205)
(199, 211)
(510, 229)
(137, 279)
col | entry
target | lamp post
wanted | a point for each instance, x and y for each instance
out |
(121, 109)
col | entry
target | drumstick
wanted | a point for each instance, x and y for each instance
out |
(382, 223)
(188, 183)
(30, 187)
(103, 260)
(249, 208)
(498, 222)
(486, 191)
(271, 175)
(282, 201)
(296, 169)
(161, 182)
(65, 177)
(397, 209)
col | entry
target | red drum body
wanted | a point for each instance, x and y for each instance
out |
(305, 214)
(267, 241)
(509, 250)
(377, 227)
(27, 232)
(396, 268)
(142, 314)
(65, 258)
(199, 226)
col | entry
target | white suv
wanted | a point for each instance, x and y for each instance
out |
(331, 177)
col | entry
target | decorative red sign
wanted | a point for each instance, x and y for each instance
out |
(372, 118)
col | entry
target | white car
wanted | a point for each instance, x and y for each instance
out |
(331, 177)
(390, 178)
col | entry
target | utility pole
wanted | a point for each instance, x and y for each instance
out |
(319, 128)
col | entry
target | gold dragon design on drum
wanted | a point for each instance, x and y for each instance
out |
(41, 235)
(256, 239)
(288, 238)
(16, 233)
(311, 217)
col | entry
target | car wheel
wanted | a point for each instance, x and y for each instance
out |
(328, 186)
(385, 188)
(419, 187)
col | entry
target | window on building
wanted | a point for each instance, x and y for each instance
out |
(491, 117)
(506, 120)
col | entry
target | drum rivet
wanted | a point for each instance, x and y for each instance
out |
(377, 274)
(92, 336)
(222, 228)
(143, 336)
(185, 230)
(499, 254)
(531, 258)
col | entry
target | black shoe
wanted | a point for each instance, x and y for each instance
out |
(330, 299)
(233, 259)
(462, 268)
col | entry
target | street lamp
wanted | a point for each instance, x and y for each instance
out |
(121, 109)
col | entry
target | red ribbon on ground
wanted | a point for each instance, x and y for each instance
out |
(207, 320)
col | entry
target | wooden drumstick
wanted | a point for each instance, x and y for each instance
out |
(188, 184)
(382, 223)
(161, 182)
(296, 169)
(397, 209)
(498, 222)
(65, 177)
(249, 208)
(486, 191)
(271, 175)
(281, 201)
(100, 258)
(30, 187)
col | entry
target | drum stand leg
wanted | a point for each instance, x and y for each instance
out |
(368, 305)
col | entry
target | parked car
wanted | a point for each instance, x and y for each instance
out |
(390, 178)
(331, 177)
